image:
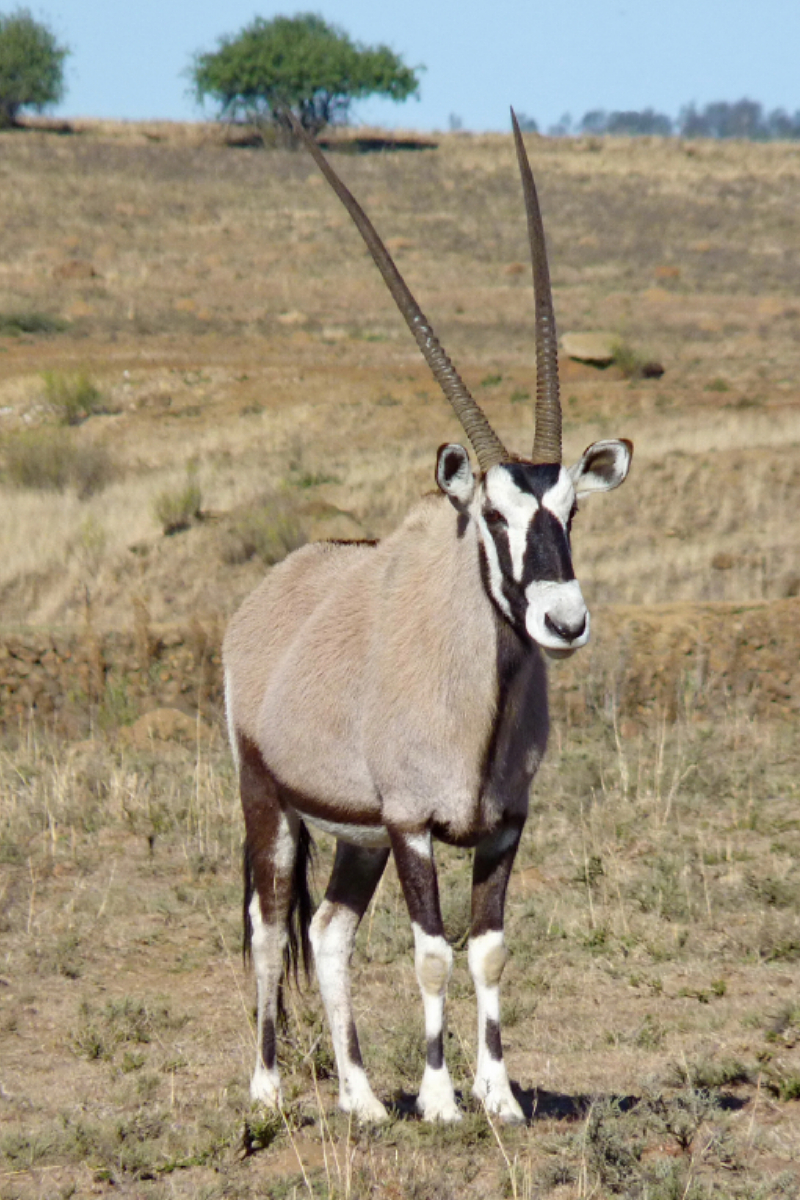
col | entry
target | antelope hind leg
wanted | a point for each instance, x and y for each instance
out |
(271, 840)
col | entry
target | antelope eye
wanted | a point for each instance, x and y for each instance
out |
(494, 519)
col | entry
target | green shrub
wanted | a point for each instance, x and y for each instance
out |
(72, 397)
(268, 530)
(176, 509)
(52, 461)
(633, 365)
(29, 322)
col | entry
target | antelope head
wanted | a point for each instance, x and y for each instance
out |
(522, 508)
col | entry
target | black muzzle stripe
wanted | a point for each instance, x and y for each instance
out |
(547, 555)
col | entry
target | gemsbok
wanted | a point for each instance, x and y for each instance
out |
(391, 693)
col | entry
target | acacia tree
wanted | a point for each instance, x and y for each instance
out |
(31, 65)
(300, 63)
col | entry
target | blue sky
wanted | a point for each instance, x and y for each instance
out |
(128, 59)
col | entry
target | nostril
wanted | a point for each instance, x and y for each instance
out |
(568, 633)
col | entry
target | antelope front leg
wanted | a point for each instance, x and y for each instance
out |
(356, 871)
(433, 959)
(494, 858)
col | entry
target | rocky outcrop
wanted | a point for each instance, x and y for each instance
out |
(643, 663)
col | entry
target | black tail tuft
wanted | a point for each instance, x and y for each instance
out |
(301, 909)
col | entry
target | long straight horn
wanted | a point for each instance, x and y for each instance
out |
(547, 436)
(488, 447)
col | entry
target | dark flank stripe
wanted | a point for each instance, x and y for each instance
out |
(268, 1043)
(434, 1052)
(492, 1038)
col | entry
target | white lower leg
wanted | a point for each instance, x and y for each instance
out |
(333, 933)
(434, 962)
(487, 958)
(268, 943)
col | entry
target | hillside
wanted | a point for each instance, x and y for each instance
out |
(192, 328)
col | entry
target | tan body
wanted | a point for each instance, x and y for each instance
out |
(367, 676)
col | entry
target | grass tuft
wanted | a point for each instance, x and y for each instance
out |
(72, 397)
(266, 530)
(13, 324)
(177, 509)
(53, 461)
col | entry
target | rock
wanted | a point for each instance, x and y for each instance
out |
(597, 347)
(393, 244)
(164, 725)
(75, 268)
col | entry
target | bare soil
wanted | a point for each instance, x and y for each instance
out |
(239, 341)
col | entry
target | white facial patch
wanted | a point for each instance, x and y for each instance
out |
(518, 507)
(568, 625)
(560, 498)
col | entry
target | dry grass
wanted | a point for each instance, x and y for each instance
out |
(246, 318)
(222, 307)
(650, 1003)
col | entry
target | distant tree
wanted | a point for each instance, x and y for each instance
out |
(300, 63)
(639, 124)
(527, 124)
(594, 122)
(631, 124)
(562, 127)
(742, 119)
(782, 127)
(31, 65)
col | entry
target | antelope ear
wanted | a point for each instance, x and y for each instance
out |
(602, 466)
(454, 474)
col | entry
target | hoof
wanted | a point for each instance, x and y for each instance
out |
(443, 1112)
(366, 1107)
(438, 1104)
(499, 1102)
(265, 1090)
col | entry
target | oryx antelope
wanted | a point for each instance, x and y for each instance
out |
(393, 693)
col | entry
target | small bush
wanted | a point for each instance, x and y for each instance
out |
(269, 530)
(14, 324)
(718, 385)
(633, 365)
(52, 461)
(178, 508)
(73, 398)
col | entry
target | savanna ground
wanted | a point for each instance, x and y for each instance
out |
(191, 335)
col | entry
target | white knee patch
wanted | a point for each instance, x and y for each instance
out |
(267, 941)
(487, 958)
(433, 960)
